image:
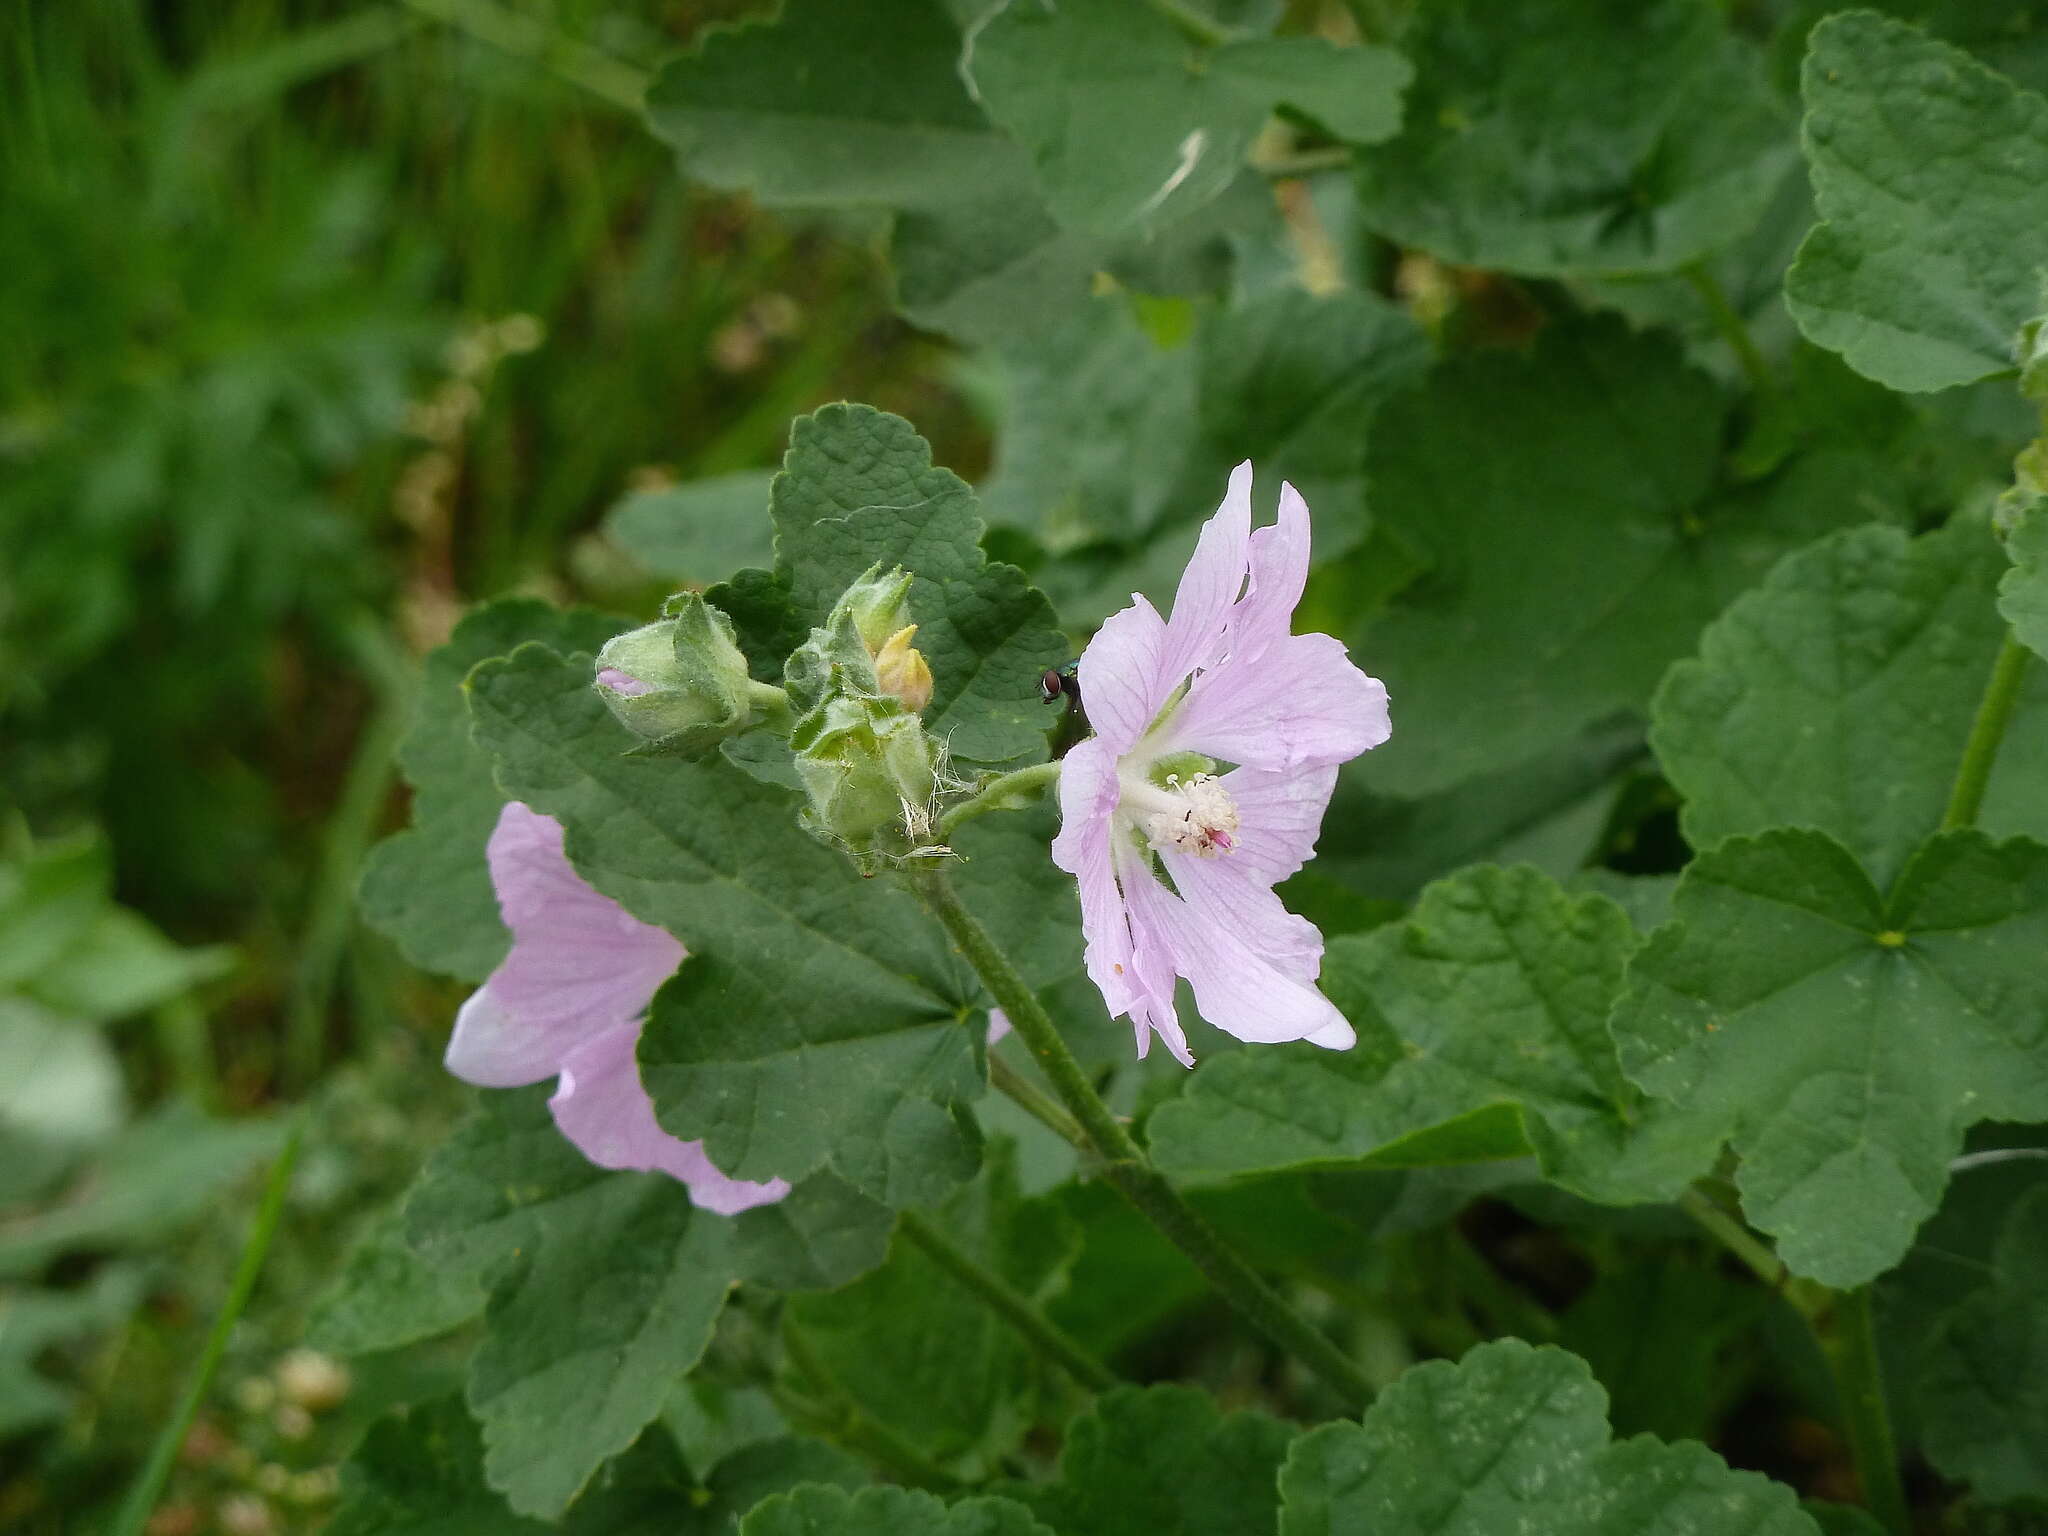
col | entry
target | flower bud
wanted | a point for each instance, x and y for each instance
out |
(680, 683)
(866, 764)
(901, 671)
(879, 605)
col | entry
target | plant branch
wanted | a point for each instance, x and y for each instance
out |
(1987, 731)
(1192, 23)
(1022, 1092)
(1008, 1303)
(1006, 792)
(1125, 1165)
(840, 1419)
(1852, 1352)
(1729, 324)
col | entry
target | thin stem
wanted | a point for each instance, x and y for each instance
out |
(1011, 1305)
(596, 72)
(1022, 1092)
(1987, 731)
(1125, 1165)
(1192, 22)
(1852, 1352)
(839, 1418)
(1006, 792)
(1729, 323)
(1305, 162)
(142, 1497)
(1753, 1251)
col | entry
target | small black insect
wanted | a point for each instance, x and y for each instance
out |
(1057, 682)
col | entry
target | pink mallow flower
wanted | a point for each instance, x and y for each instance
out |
(567, 1003)
(1171, 701)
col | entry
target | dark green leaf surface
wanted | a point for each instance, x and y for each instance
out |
(2023, 592)
(428, 888)
(857, 489)
(1930, 174)
(1131, 123)
(1983, 1393)
(1577, 137)
(1513, 1438)
(1843, 1042)
(818, 1018)
(1839, 695)
(833, 103)
(603, 1291)
(700, 531)
(1566, 507)
(1162, 1459)
(813, 1511)
(388, 1293)
(1482, 1026)
(922, 1354)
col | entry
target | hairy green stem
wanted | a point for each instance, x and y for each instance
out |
(1006, 792)
(1987, 731)
(838, 1418)
(1124, 1163)
(1011, 1305)
(1022, 1092)
(1729, 324)
(148, 1487)
(1852, 1352)
(599, 73)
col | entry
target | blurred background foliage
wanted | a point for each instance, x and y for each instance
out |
(326, 319)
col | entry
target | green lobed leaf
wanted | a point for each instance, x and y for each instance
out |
(815, 1511)
(1586, 137)
(1840, 1040)
(1930, 175)
(2023, 591)
(1482, 1026)
(428, 887)
(1130, 122)
(388, 1293)
(603, 1290)
(1983, 1390)
(923, 1355)
(833, 103)
(419, 1472)
(1840, 693)
(819, 1017)
(857, 489)
(697, 532)
(1162, 1459)
(1514, 1438)
(1528, 483)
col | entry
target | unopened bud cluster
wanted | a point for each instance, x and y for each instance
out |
(850, 708)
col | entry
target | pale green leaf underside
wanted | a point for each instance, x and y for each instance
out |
(1582, 137)
(1482, 1026)
(1841, 1041)
(1515, 1438)
(1930, 174)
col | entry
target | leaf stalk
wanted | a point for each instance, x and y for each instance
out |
(1987, 733)
(1125, 1164)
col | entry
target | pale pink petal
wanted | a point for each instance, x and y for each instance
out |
(1226, 894)
(601, 1107)
(1237, 989)
(1279, 572)
(1302, 704)
(622, 682)
(998, 1026)
(1196, 634)
(1279, 815)
(1153, 969)
(1122, 682)
(496, 1048)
